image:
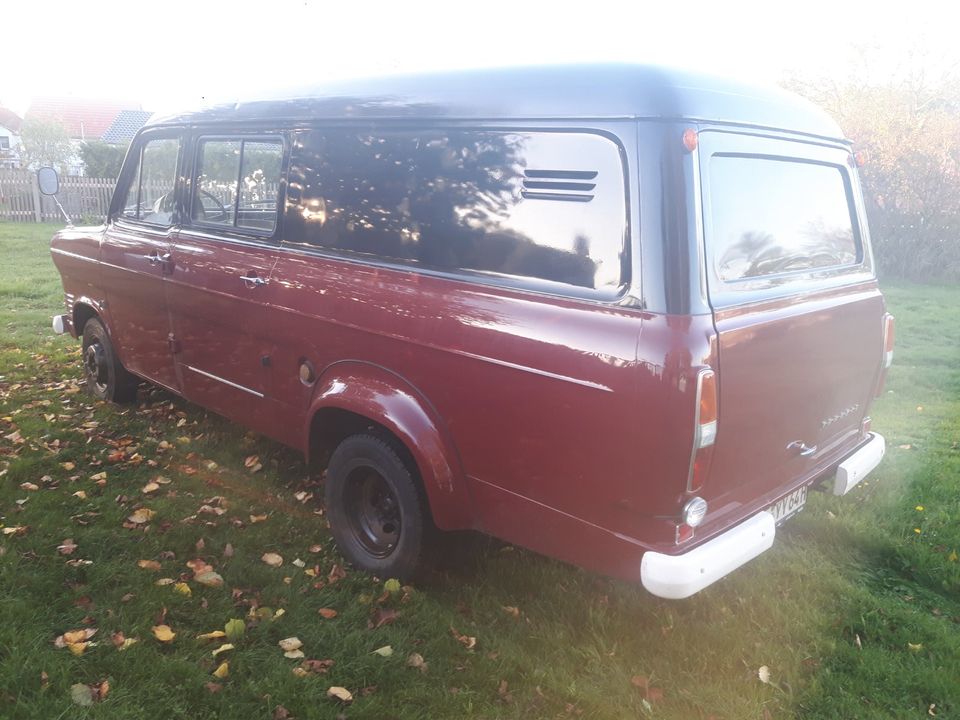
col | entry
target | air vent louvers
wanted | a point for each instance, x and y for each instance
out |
(564, 185)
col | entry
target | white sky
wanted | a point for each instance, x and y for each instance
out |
(177, 54)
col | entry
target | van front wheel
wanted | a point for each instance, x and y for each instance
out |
(106, 378)
(377, 515)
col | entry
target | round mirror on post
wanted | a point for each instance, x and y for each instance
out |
(48, 180)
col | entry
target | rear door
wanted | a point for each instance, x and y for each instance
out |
(796, 308)
(219, 286)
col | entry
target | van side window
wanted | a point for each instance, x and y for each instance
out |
(237, 182)
(774, 216)
(541, 206)
(150, 197)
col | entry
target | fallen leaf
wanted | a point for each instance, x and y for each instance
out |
(223, 648)
(81, 495)
(81, 694)
(318, 667)
(272, 559)
(150, 487)
(416, 661)
(915, 647)
(505, 694)
(385, 651)
(392, 585)
(467, 641)
(294, 654)
(223, 669)
(764, 674)
(164, 581)
(340, 693)
(212, 635)
(210, 579)
(327, 613)
(289, 644)
(228, 550)
(141, 515)
(512, 611)
(66, 547)
(381, 617)
(183, 589)
(234, 629)
(29, 487)
(336, 573)
(213, 688)
(257, 518)
(149, 564)
(163, 633)
(281, 713)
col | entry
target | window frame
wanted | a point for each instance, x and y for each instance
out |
(626, 292)
(245, 233)
(132, 165)
(739, 291)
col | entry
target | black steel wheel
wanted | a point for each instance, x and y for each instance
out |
(377, 514)
(106, 378)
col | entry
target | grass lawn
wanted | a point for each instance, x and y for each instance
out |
(855, 612)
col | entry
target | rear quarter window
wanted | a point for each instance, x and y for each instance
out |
(539, 210)
(771, 217)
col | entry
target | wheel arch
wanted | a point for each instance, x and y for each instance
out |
(353, 396)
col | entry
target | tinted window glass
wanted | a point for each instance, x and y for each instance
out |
(547, 206)
(776, 216)
(150, 197)
(237, 182)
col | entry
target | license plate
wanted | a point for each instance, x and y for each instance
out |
(789, 505)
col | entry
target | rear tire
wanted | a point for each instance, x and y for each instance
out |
(106, 378)
(377, 513)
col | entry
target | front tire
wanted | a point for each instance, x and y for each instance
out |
(377, 513)
(106, 378)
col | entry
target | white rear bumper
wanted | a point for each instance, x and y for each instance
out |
(679, 576)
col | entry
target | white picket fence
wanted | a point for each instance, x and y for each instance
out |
(83, 198)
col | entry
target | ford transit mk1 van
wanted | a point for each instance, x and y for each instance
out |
(620, 315)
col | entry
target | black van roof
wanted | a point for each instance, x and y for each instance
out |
(559, 91)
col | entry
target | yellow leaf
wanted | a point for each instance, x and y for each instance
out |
(300, 672)
(99, 476)
(183, 589)
(340, 693)
(289, 644)
(141, 515)
(150, 487)
(127, 642)
(210, 579)
(294, 654)
(212, 635)
(77, 648)
(915, 647)
(222, 649)
(257, 518)
(952, 557)
(222, 670)
(163, 633)
(149, 564)
(80, 494)
(164, 581)
(272, 559)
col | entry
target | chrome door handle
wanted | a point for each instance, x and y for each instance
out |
(253, 281)
(156, 257)
(802, 449)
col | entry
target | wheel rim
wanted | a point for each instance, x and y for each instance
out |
(95, 364)
(373, 511)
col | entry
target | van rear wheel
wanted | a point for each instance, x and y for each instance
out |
(106, 378)
(377, 514)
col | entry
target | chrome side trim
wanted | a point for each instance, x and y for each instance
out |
(225, 382)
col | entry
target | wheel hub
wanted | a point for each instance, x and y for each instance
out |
(94, 361)
(373, 512)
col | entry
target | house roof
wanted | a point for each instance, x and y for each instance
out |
(83, 119)
(548, 92)
(125, 126)
(10, 120)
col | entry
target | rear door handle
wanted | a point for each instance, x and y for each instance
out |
(156, 258)
(803, 450)
(253, 280)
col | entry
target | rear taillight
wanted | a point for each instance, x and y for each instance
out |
(887, 352)
(704, 429)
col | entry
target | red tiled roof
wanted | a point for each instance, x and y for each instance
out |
(86, 119)
(9, 119)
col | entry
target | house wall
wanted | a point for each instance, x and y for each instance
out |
(9, 158)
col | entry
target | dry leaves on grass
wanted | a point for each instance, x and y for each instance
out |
(272, 559)
(650, 693)
(416, 661)
(468, 641)
(163, 633)
(87, 695)
(327, 613)
(340, 693)
(291, 648)
(67, 547)
(76, 641)
(382, 616)
(152, 565)
(312, 667)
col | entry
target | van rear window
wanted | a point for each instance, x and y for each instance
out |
(536, 209)
(772, 216)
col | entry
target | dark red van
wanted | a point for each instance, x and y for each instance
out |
(620, 315)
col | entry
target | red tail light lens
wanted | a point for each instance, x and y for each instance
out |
(704, 429)
(888, 325)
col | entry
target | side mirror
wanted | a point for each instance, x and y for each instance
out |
(48, 180)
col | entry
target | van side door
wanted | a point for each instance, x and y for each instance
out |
(220, 286)
(135, 257)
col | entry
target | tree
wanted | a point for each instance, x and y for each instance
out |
(102, 160)
(44, 142)
(908, 125)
